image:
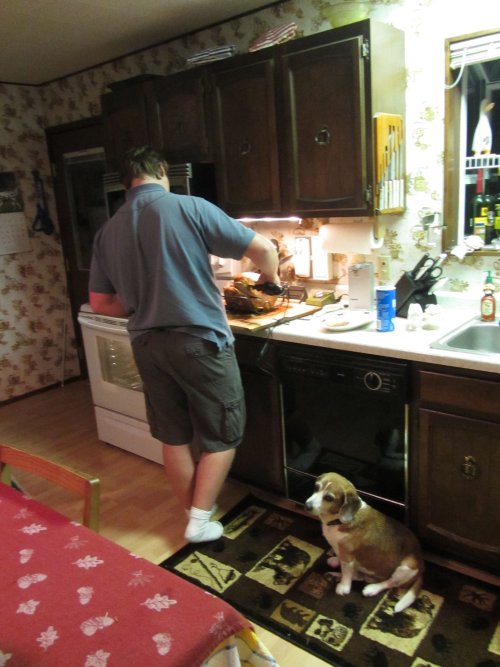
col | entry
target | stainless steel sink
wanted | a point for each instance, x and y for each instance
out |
(474, 336)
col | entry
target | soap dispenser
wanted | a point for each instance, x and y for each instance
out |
(488, 303)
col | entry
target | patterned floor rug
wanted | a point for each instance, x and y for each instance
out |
(270, 564)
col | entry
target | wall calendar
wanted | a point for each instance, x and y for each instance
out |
(13, 234)
(13, 230)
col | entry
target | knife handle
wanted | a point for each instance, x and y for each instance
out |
(271, 289)
(419, 264)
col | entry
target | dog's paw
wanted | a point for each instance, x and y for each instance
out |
(343, 589)
(333, 561)
(371, 589)
(332, 576)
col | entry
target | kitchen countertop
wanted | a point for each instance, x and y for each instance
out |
(398, 344)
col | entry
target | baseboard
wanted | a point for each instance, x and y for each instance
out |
(463, 568)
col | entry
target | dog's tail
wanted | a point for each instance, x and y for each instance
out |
(410, 596)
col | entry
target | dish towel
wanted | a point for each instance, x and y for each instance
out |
(214, 53)
(278, 35)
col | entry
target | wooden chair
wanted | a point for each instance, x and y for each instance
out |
(79, 483)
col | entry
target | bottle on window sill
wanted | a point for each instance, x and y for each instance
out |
(496, 204)
(479, 209)
(489, 192)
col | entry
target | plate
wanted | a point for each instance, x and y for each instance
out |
(345, 320)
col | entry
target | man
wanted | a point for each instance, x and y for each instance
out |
(151, 264)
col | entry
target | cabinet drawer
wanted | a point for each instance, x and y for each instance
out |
(465, 394)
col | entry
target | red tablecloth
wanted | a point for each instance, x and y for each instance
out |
(71, 598)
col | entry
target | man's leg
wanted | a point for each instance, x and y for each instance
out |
(197, 487)
(211, 472)
(180, 470)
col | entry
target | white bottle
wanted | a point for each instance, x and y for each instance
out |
(414, 317)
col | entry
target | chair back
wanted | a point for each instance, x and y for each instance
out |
(80, 483)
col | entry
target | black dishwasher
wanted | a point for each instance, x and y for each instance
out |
(346, 413)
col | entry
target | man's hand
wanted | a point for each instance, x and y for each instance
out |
(263, 254)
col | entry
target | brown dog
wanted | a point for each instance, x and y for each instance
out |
(367, 544)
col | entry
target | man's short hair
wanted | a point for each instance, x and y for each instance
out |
(141, 162)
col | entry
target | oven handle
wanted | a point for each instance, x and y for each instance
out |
(103, 328)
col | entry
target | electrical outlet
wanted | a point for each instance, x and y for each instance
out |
(302, 256)
(384, 268)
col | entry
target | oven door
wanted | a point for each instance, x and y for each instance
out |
(114, 379)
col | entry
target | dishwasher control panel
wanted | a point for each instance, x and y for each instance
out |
(373, 374)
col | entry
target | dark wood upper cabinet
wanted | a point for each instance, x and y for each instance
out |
(290, 128)
(333, 84)
(294, 123)
(127, 120)
(180, 116)
(325, 148)
(244, 94)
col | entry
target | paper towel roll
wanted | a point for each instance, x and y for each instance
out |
(355, 237)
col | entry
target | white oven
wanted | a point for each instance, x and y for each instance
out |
(116, 385)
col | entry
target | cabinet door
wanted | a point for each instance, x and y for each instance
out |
(259, 458)
(456, 485)
(125, 119)
(180, 108)
(246, 142)
(326, 138)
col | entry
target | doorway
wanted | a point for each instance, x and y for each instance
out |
(77, 156)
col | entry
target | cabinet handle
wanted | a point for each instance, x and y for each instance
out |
(470, 468)
(323, 137)
(245, 148)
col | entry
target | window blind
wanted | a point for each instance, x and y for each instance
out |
(476, 50)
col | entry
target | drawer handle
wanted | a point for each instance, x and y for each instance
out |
(245, 148)
(323, 137)
(470, 468)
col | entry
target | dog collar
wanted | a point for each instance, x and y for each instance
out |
(334, 522)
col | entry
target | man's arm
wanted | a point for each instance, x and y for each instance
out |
(107, 304)
(263, 254)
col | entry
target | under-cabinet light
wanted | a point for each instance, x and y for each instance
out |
(290, 219)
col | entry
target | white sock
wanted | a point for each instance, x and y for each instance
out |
(200, 528)
(212, 511)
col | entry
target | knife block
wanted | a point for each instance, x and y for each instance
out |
(409, 291)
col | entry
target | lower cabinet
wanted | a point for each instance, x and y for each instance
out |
(259, 458)
(456, 467)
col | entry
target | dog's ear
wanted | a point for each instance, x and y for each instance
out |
(352, 503)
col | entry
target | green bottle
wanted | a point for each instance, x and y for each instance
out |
(479, 209)
(496, 205)
(489, 200)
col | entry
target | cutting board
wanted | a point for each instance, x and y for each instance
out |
(283, 313)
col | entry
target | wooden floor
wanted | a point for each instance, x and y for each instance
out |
(138, 509)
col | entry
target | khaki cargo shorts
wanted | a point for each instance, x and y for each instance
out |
(193, 390)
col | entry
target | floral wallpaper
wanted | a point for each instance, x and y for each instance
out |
(36, 334)
(37, 346)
